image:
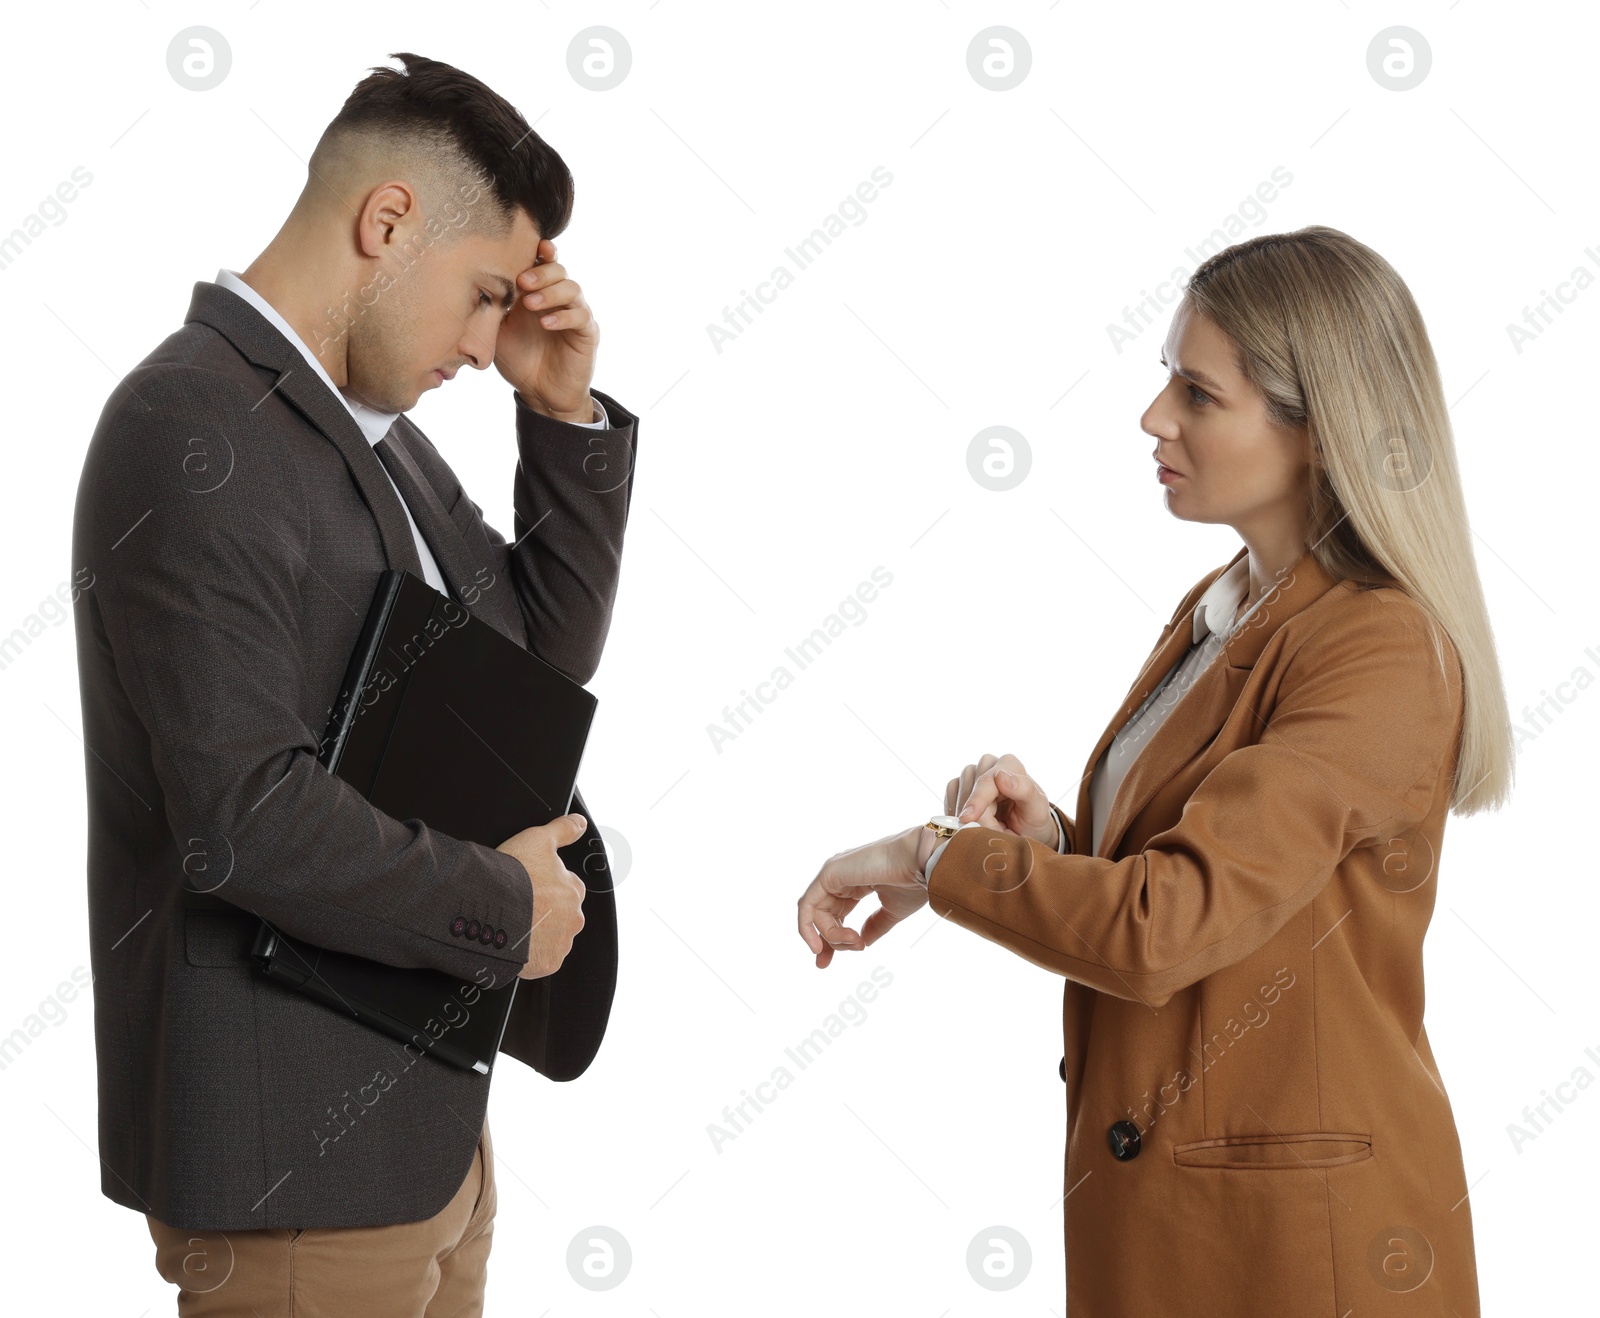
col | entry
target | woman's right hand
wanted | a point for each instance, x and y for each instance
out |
(997, 793)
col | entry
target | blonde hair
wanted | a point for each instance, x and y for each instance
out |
(1330, 335)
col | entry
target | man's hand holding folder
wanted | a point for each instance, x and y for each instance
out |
(557, 891)
(431, 685)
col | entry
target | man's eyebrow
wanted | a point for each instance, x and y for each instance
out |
(508, 290)
(1198, 377)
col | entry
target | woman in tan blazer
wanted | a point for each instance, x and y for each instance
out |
(1238, 896)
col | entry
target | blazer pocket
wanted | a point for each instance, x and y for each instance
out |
(1318, 1148)
(218, 938)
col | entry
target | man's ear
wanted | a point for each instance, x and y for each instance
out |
(381, 214)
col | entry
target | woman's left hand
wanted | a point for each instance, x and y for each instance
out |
(887, 867)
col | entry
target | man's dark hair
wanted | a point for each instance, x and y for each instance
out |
(461, 133)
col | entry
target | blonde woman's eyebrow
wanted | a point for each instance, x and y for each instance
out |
(1198, 377)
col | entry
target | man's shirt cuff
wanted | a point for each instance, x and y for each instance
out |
(602, 422)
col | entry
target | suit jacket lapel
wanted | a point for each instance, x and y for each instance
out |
(450, 549)
(1201, 711)
(261, 343)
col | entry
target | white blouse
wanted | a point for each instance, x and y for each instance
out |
(1214, 622)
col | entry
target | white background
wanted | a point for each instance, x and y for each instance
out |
(772, 477)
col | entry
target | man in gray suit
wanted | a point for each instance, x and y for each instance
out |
(246, 486)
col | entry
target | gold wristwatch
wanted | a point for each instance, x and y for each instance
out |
(944, 828)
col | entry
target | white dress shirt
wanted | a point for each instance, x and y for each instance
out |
(1214, 622)
(374, 424)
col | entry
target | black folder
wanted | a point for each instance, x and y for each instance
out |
(444, 719)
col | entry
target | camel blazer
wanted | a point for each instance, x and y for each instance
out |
(1255, 1122)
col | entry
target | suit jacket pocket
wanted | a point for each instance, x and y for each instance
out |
(218, 938)
(1318, 1148)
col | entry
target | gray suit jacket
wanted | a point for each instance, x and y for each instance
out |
(235, 521)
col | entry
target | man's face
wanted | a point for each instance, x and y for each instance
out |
(442, 311)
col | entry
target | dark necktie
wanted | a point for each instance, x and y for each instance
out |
(410, 495)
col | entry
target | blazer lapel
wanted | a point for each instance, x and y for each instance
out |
(261, 344)
(450, 549)
(1201, 711)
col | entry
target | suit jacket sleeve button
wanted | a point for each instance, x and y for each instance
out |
(472, 928)
(458, 926)
(486, 935)
(1125, 1141)
(499, 937)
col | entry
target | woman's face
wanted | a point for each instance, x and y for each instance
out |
(1232, 463)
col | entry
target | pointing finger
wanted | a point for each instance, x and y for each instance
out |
(984, 794)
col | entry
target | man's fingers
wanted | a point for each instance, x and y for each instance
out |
(546, 272)
(574, 316)
(551, 293)
(567, 318)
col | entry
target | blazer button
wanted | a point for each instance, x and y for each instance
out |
(472, 928)
(499, 937)
(486, 936)
(1124, 1137)
(458, 926)
(1063, 1069)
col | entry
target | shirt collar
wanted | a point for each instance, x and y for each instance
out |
(1217, 605)
(374, 424)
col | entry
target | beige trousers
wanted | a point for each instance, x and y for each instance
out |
(430, 1269)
